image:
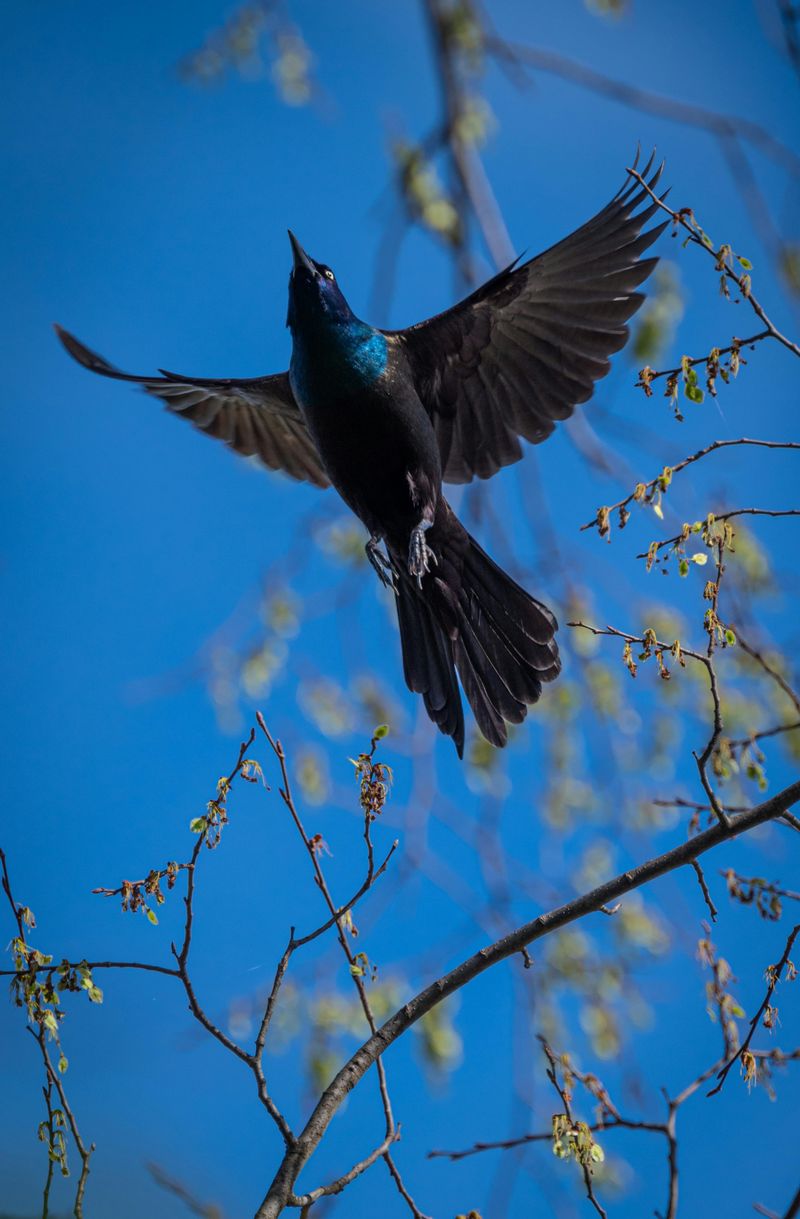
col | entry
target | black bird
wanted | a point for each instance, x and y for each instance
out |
(387, 416)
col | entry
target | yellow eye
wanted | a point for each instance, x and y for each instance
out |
(328, 273)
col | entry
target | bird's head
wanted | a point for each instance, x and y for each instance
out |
(314, 295)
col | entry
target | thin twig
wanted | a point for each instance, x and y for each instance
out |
(342, 1182)
(336, 917)
(645, 490)
(52, 1077)
(656, 648)
(47, 1092)
(84, 1152)
(725, 516)
(172, 1186)
(51, 969)
(552, 1075)
(684, 219)
(757, 883)
(181, 956)
(774, 976)
(740, 742)
(701, 880)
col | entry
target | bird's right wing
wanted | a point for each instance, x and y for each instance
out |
(257, 417)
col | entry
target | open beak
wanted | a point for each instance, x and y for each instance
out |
(301, 259)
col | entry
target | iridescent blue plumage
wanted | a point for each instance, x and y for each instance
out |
(333, 356)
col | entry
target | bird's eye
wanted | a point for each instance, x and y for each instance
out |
(328, 273)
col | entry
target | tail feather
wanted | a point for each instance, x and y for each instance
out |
(428, 663)
(505, 600)
(490, 662)
(472, 619)
(488, 718)
(522, 680)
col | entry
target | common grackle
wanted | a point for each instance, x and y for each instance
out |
(387, 416)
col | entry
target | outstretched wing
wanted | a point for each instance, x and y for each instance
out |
(525, 349)
(257, 417)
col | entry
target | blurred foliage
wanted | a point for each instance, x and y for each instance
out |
(324, 1025)
(462, 31)
(790, 266)
(421, 189)
(257, 40)
(660, 316)
(608, 8)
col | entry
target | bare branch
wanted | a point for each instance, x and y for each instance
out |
(774, 975)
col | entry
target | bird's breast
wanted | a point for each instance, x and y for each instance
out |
(336, 362)
(370, 430)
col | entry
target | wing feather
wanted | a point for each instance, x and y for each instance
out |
(256, 416)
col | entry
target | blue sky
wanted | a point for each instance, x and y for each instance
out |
(150, 217)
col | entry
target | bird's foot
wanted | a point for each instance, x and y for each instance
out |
(420, 555)
(380, 563)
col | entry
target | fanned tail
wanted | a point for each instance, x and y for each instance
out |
(471, 618)
(428, 662)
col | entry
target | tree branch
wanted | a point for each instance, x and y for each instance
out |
(718, 124)
(354, 1070)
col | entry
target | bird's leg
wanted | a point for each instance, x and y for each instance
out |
(420, 554)
(379, 561)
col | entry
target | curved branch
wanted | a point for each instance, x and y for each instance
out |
(353, 1071)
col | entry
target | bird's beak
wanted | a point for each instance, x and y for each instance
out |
(301, 259)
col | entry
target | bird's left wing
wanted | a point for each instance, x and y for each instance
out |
(525, 349)
(257, 417)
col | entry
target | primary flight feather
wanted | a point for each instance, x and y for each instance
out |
(387, 416)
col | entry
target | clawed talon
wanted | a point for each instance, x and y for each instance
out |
(420, 555)
(380, 563)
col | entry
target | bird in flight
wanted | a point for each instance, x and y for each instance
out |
(388, 416)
